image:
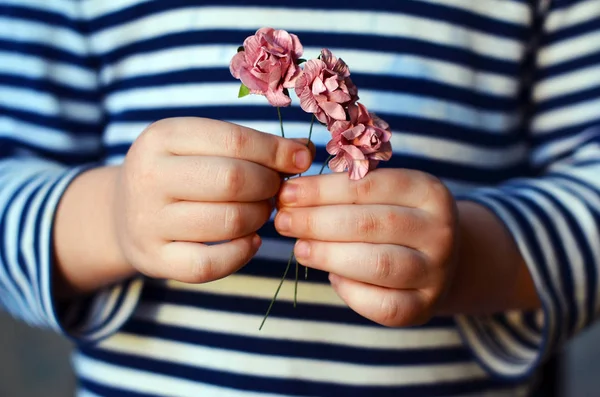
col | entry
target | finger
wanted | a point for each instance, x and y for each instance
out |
(380, 224)
(216, 179)
(389, 307)
(212, 222)
(401, 187)
(193, 136)
(199, 263)
(385, 265)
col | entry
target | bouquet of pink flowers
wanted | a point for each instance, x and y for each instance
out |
(269, 64)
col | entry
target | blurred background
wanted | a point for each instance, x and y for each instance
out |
(35, 363)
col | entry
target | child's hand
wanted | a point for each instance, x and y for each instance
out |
(189, 181)
(387, 240)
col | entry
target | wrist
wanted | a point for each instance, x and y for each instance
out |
(87, 253)
(491, 276)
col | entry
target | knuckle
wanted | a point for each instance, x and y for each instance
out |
(233, 180)
(362, 188)
(389, 311)
(367, 223)
(156, 133)
(233, 222)
(202, 268)
(384, 266)
(236, 140)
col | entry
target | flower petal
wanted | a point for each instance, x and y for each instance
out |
(307, 101)
(358, 169)
(278, 98)
(333, 110)
(238, 62)
(338, 163)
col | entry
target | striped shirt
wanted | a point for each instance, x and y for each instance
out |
(499, 98)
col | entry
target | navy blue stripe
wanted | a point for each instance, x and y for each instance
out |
(573, 31)
(254, 306)
(406, 124)
(565, 132)
(529, 235)
(404, 46)
(22, 224)
(529, 319)
(3, 241)
(421, 9)
(572, 65)
(406, 85)
(299, 349)
(47, 53)
(514, 331)
(54, 122)
(591, 269)
(11, 146)
(46, 17)
(588, 94)
(38, 245)
(105, 390)
(55, 89)
(294, 387)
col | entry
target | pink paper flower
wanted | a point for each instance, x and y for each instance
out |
(325, 88)
(268, 64)
(359, 144)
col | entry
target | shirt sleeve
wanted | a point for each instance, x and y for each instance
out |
(554, 215)
(50, 132)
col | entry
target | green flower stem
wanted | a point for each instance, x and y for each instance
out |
(312, 123)
(287, 269)
(280, 122)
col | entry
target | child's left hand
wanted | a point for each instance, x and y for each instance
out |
(388, 240)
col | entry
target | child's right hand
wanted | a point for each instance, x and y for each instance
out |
(190, 181)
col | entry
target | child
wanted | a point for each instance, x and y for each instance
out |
(126, 159)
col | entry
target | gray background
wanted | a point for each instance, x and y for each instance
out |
(34, 363)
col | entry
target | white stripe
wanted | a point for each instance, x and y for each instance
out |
(123, 312)
(48, 138)
(554, 149)
(38, 68)
(21, 242)
(592, 199)
(568, 83)
(360, 61)
(66, 8)
(10, 182)
(299, 20)
(587, 224)
(575, 14)
(225, 94)
(298, 330)
(507, 11)
(19, 30)
(41, 102)
(289, 367)
(150, 382)
(567, 116)
(570, 49)
(516, 320)
(85, 393)
(45, 244)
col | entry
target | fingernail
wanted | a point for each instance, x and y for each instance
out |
(283, 222)
(302, 249)
(302, 159)
(333, 278)
(288, 193)
(256, 241)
